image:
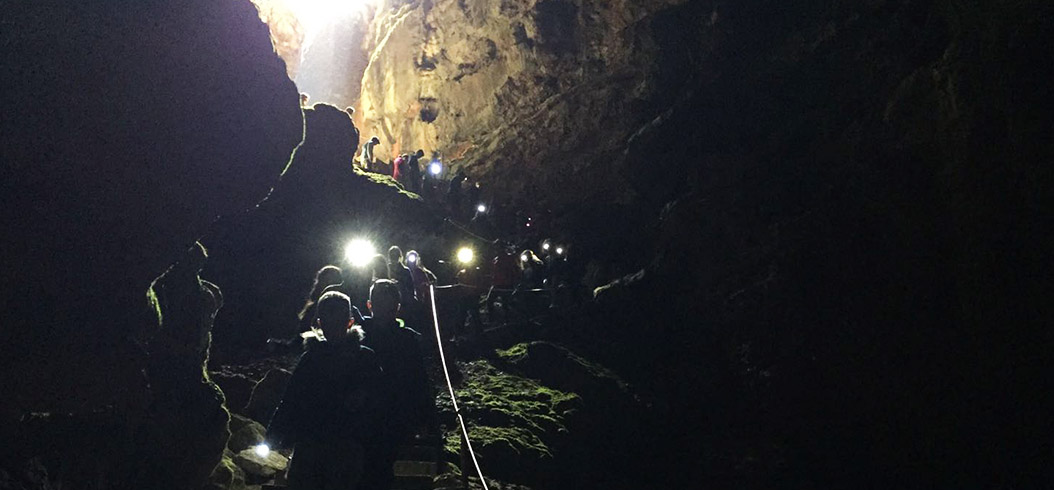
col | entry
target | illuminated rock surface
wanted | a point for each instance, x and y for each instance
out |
(521, 92)
(261, 466)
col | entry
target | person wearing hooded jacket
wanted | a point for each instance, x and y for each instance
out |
(329, 413)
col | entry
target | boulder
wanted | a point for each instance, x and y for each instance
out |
(245, 433)
(226, 475)
(261, 467)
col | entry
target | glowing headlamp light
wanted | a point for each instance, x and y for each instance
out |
(481, 208)
(359, 252)
(465, 255)
(262, 450)
(435, 168)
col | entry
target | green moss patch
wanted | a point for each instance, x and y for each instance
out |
(511, 419)
(386, 180)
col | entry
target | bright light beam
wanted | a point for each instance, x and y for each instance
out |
(359, 252)
(262, 450)
(316, 13)
(465, 255)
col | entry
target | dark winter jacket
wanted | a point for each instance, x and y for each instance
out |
(334, 395)
(408, 403)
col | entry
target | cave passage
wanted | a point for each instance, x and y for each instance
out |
(673, 244)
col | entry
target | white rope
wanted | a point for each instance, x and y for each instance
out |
(450, 387)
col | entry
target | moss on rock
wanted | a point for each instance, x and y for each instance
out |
(514, 422)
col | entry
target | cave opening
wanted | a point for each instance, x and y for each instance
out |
(322, 44)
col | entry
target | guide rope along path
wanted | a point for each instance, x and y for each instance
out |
(450, 387)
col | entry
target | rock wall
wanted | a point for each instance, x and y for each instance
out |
(524, 94)
(127, 129)
(848, 257)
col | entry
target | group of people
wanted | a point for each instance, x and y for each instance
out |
(406, 168)
(360, 389)
(416, 175)
(502, 285)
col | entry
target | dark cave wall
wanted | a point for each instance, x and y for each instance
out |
(127, 129)
(861, 199)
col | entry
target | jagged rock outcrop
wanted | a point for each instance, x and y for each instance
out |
(185, 429)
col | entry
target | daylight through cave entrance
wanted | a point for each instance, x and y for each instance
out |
(321, 42)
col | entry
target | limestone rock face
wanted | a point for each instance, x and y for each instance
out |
(519, 92)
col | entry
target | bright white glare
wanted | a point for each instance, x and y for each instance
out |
(523, 257)
(314, 14)
(411, 258)
(481, 208)
(435, 168)
(359, 252)
(559, 250)
(262, 450)
(545, 246)
(465, 255)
